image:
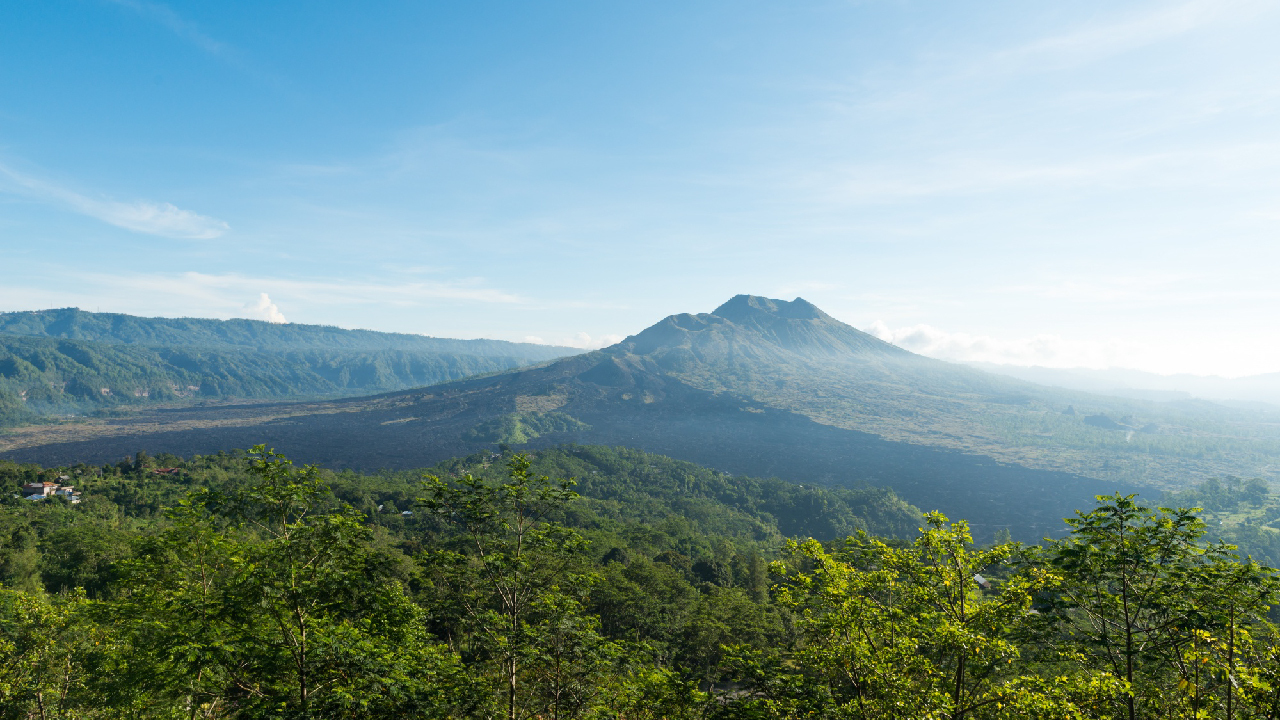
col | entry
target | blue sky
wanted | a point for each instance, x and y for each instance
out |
(1086, 183)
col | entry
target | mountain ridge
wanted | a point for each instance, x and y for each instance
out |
(72, 362)
(119, 328)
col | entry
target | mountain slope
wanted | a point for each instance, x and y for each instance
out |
(759, 387)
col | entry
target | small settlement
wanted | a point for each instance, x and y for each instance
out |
(42, 490)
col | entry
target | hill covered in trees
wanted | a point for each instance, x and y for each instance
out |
(71, 362)
(681, 504)
(240, 586)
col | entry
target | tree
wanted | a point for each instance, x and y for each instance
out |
(515, 572)
(568, 664)
(82, 555)
(909, 632)
(46, 646)
(1223, 665)
(1255, 491)
(19, 553)
(270, 602)
(1146, 600)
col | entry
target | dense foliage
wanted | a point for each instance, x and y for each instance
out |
(240, 586)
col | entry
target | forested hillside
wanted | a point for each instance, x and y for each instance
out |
(70, 362)
(682, 505)
(239, 586)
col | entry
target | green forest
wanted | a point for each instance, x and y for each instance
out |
(598, 582)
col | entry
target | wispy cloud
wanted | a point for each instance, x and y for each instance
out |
(161, 219)
(1130, 32)
(960, 77)
(152, 218)
(1244, 164)
(224, 289)
(164, 15)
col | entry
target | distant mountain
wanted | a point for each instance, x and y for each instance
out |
(75, 362)
(117, 329)
(758, 387)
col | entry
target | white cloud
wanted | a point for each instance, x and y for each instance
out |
(1044, 350)
(587, 342)
(163, 219)
(264, 309)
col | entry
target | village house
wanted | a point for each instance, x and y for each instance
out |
(42, 490)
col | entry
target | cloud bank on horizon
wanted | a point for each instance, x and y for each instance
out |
(581, 340)
(1087, 184)
(1042, 350)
